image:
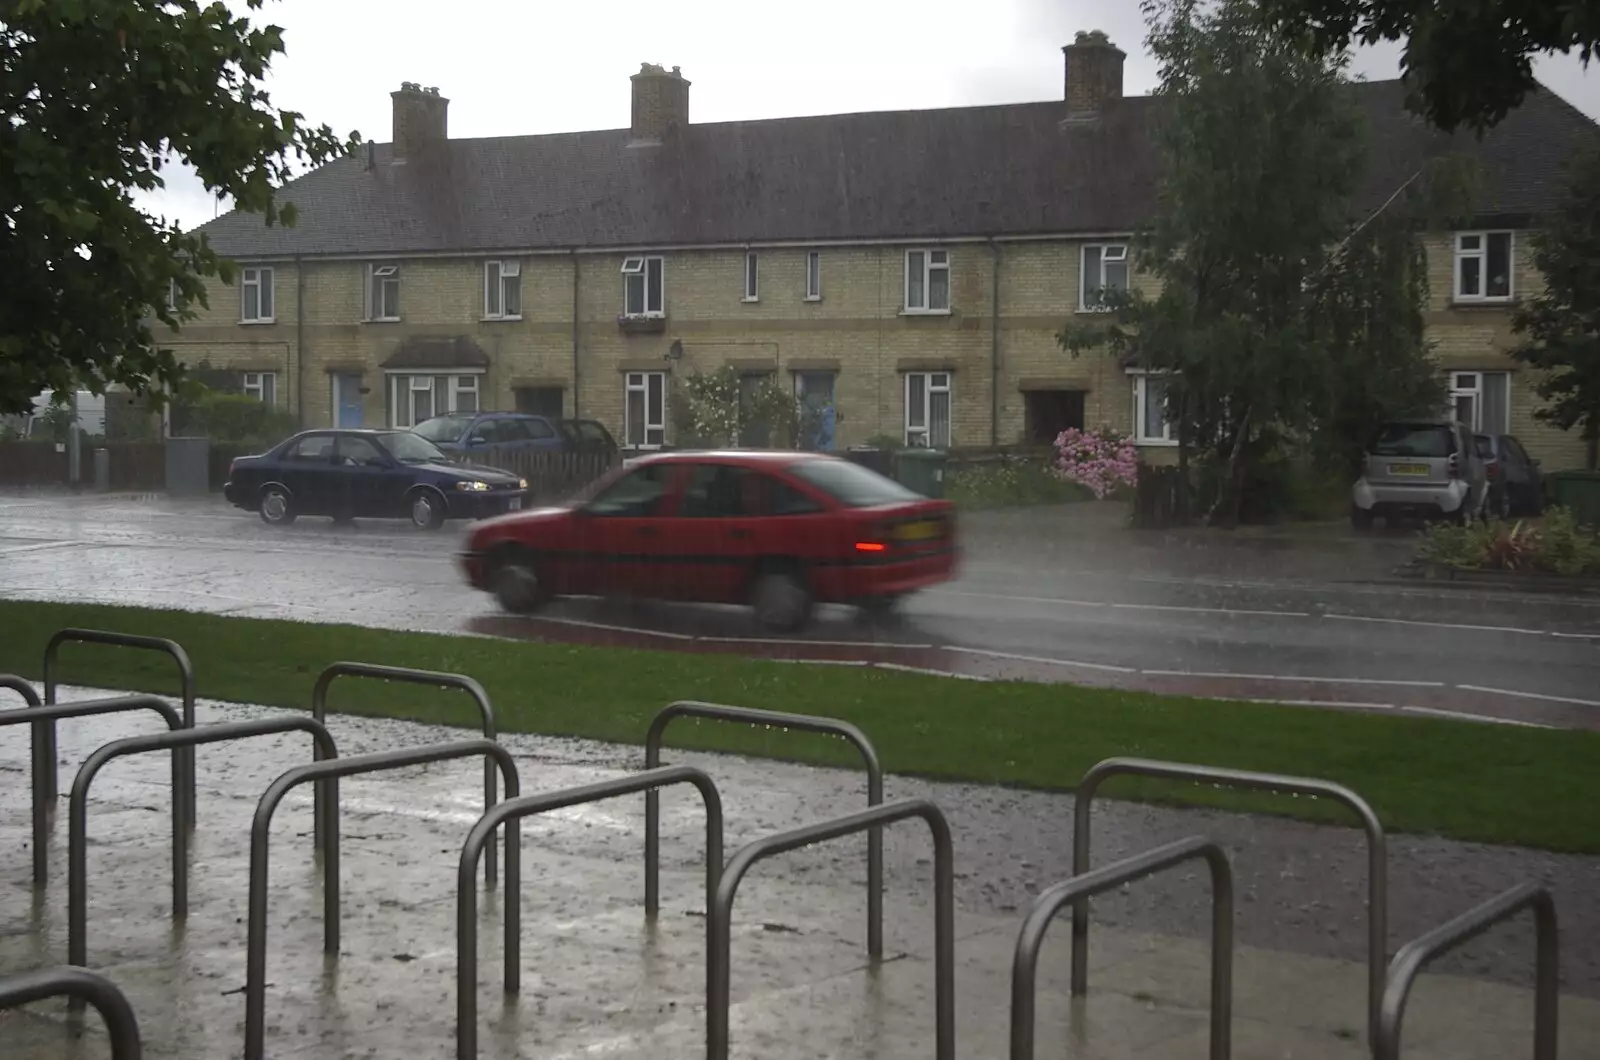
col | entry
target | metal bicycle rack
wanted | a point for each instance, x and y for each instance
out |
(1418, 953)
(719, 939)
(1024, 966)
(783, 720)
(185, 793)
(81, 984)
(515, 809)
(1377, 856)
(78, 812)
(44, 774)
(431, 678)
(255, 1022)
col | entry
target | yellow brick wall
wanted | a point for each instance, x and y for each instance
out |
(857, 323)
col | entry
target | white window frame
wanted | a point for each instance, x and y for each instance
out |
(1480, 254)
(752, 277)
(385, 272)
(172, 297)
(930, 388)
(1476, 393)
(639, 265)
(639, 382)
(933, 259)
(1113, 252)
(1141, 395)
(263, 386)
(445, 384)
(500, 276)
(813, 276)
(260, 279)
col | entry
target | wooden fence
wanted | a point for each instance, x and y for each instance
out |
(135, 466)
(32, 464)
(552, 476)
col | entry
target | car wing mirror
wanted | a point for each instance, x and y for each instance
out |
(477, 439)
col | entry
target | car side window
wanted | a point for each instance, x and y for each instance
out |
(509, 430)
(538, 430)
(780, 498)
(318, 448)
(636, 495)
(1516, 450)
(719, 491)
(359, 452)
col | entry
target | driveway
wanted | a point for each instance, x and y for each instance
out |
(1067, 593)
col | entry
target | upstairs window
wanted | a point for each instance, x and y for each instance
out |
(255, 295)
(927, 281)
(1105, 269)
(752, 285)
(383, 292)
(814, 276)
(502, 290)
(642, 286)
(1483, 266)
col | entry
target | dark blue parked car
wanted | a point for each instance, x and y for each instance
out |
(374, 474)
(457, 432)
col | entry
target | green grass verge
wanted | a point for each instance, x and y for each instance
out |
(1465, 780)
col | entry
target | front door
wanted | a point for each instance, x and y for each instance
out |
(347, 401)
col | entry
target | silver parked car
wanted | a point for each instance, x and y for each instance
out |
(1426, 469)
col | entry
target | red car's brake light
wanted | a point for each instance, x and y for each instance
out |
(871, 546)
(231, 463)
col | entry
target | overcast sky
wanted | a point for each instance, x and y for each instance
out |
(513, 67)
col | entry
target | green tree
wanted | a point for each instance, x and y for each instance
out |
(1468, 63)
(1261, 151)
(95, 97)
(1561, 324)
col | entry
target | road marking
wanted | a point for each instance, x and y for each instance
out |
(1439, 625)
(802, 643)
(1530, 695)
(1577, 636)
(1021, 599)
(902, 667)
(613, 628)
(1291, 677)
(1043, 659)
(1210, 610)
(1490, 718)
(41, 547)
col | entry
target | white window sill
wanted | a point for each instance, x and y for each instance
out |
(1156, 443)
(750, 301)
(500, 319)
(1092, 310)
(1472, 300)
(381, 320)
(812, 298)
(644, 316)
(258, 321)
(924, 312)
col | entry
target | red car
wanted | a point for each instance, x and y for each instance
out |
(778, 530)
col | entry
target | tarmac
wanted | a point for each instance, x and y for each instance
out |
(599, 981)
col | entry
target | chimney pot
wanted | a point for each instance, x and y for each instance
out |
(1093, 68)
(660, 102)
(421, 120)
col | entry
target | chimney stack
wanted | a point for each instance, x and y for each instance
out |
(1093, 74)
(660, 102)
(420, 120)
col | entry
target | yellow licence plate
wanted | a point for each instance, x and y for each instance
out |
(922, 531)
(1408, 469)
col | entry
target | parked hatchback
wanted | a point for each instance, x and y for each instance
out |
(1516, 484)
(460, 432)
(1427, 469)
(780, 531)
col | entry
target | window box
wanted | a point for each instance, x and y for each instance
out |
(642, 324)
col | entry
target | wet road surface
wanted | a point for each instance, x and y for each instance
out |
(1053, 594)
(597, 981)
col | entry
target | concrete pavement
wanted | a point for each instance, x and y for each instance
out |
(597, 982)
(1046, 594)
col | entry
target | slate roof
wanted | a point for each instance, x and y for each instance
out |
(969, 171)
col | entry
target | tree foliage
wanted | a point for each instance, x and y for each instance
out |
(1561, 324)
(1276, 319)
(95, 97)
(1467, 63)
(722, 409)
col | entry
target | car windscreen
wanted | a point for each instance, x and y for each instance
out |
(1485, 446)
(411, 448)
(852, 485)
(1413, 439)
(442, 428)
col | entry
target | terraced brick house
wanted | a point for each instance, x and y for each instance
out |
(911, 269)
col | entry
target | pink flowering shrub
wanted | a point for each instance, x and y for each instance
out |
(1101, 460)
